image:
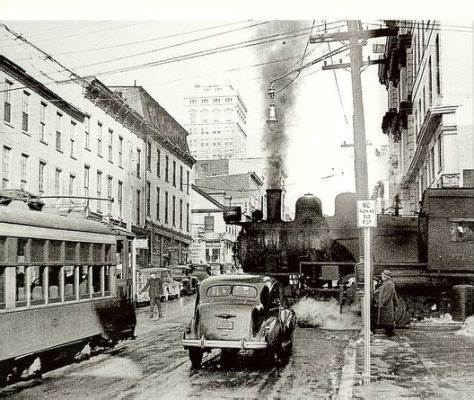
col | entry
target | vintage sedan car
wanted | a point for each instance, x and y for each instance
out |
(182, 273)
(239, 312)
(171, 287)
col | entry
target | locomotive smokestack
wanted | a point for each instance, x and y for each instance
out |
(274, 205)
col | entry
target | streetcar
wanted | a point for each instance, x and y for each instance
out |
(58, 286)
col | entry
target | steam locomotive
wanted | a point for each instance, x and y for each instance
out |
(429, 254)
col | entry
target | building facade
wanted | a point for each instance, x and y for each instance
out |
(428, 75)
(88, 150)
(216, 119)
(213, 240)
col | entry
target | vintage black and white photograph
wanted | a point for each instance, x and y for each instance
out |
(205, 205)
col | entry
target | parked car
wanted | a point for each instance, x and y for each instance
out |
(182, 273)
(200, 271)
(239, 312)
(171, 287)
(216, 268)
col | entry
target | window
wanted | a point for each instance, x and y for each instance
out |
(72, 182)
(205, 101)
(99, 139)
(209, 223)
(192, 117)
(87, 136)
(43, 122)
(111, 138)
(120, 151)
(181, 177)
(158, 161)
(440, 153)
(187, 182)
(438, 66)
(148, 200)
(430, 82)
(72, 138)
(187, 217)
(174, 173)
(148, 156)
(86, 180)
(120, 197)
(167, 159)
(180, 214)
(7, 105)
(174, 210)
(228, 100)
(57, 181)
(42, 166)
(58, 131)
(139, 154)
(24, 114)
(99, 191)
(139, 193)
(462, 231)
(166, 208)
(23, 170)
(432, 165)
(109, 195)
(216, 100)
(157, 203)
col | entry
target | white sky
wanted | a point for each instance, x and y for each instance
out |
(317, 128)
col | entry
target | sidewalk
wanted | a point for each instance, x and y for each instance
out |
(419, 363)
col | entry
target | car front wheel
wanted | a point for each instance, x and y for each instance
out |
(195, 355)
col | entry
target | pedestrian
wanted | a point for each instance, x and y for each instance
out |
(155, 290)
(387, 304)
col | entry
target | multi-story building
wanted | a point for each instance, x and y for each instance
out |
(244, 190)
(258, 165)
(213, 240)
(428, 75)
(216, 118)
(90, 145)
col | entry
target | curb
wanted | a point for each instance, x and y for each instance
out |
(346, 385)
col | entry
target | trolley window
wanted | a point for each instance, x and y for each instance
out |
(20, 296)
(69, 284)
(71, 252)
(107, 277)
(37, 285)
(84, 252)
(54, 284)
(84, 288)
(2, 287)
(97, 279)
(55, 250)
(21, 250)
(37, 250)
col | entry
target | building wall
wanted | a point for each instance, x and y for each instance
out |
(111, 152)
(216, 122)
(435, 147)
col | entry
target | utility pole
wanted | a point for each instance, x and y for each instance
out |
(353, 35)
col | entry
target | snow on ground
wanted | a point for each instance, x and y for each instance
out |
(467, 328)
(445, 319)
(325, 314)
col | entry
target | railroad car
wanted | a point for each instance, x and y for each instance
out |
(429, 254)
(58, 286)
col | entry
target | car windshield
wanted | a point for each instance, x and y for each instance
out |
(244, 291)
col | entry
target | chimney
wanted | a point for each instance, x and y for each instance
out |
(274, 205)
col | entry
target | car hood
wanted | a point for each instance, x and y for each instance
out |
(224, 321)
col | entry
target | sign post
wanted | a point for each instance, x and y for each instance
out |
(366, 219)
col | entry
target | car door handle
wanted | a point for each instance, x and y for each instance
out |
(226, 316)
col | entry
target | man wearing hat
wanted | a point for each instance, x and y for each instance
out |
(387, 304)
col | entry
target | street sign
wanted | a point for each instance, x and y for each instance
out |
(140, 243)
(366, 214)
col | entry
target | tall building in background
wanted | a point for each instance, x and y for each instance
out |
(428, 75)
(216, 118)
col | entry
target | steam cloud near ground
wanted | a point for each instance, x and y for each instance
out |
(326, 315)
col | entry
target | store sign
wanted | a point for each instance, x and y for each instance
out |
(140, 243)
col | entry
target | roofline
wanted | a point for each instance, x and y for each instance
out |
(207, 196)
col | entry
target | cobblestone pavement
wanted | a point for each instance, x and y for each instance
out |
(419, 363)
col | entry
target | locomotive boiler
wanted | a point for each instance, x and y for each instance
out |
(429, 254)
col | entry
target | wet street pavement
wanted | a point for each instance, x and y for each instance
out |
(155, 365)
(420, 363)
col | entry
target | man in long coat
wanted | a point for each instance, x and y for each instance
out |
(155, 287)
(387, 304)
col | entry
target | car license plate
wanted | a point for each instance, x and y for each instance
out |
(225, 324)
